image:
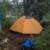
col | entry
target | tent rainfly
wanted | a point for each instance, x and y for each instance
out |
(27, 26)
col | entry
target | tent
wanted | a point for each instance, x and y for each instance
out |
(27, 26)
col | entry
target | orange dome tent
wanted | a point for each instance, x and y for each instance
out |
(27, 26)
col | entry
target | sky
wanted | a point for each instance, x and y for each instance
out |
(11, 0)
(18, 0)
(1, 0)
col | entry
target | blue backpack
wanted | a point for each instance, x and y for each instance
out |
(27, 43)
